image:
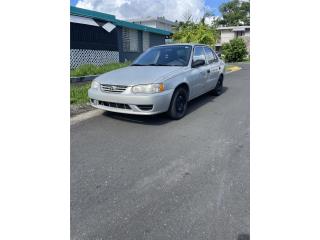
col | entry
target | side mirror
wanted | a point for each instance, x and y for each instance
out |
(197, 63)
(219, 54)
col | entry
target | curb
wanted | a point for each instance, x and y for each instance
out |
(233, 69)
(86, 115)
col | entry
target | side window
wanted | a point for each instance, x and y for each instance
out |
(198, 53)
(211, 56)
(216, 59)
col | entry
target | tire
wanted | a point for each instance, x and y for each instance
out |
(217, 91)
(179, 104)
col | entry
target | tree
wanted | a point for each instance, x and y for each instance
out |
(189, 31)
(235, 50)
(235, 13)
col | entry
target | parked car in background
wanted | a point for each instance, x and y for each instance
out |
(162, 79)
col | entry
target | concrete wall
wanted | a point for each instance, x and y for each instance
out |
(156, 24)
(227, 35)
(147, 23)
(164, 26)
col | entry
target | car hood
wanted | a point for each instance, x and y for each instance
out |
(134, 75)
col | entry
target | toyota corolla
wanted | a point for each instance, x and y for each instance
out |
(162, 79)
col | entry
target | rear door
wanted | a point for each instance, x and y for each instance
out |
(213, 66)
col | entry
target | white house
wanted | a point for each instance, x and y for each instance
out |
(228, 33)
(158, 22)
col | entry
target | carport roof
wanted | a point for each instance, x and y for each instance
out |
(111, 18)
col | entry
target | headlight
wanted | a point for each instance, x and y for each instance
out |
(95, 84)
(149, 88)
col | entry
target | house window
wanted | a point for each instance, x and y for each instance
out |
(145, 41)
(130, 40)
(239, 33)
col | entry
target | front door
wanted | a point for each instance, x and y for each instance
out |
(199, 75)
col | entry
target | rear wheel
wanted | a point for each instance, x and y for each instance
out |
(219, 87)
(179, 103)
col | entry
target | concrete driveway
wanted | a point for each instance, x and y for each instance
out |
(135, 177)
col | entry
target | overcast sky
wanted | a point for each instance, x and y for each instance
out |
(171, 9)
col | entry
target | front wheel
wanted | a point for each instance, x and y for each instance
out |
(179, 103)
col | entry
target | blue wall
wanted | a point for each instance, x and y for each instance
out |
(90, 37)
(96, 38)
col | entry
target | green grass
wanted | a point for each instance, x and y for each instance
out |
(79, 91)
(90, 69)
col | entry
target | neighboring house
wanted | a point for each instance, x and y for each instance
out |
(99, 38)
(228, 33)
(159, 22)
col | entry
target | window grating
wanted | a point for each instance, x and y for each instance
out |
(145, 41)
(130, 40)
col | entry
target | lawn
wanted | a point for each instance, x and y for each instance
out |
(90, 69)
(79, 91)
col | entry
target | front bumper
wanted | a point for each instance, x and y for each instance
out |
(114, 102)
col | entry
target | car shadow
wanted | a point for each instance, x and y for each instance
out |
(202, 100)
(139, 119)
(162, 118)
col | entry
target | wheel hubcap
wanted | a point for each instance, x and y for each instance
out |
(219, 85)
(180, 103)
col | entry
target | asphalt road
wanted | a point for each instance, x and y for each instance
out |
(136, 177)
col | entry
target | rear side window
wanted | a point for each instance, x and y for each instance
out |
(210, 55)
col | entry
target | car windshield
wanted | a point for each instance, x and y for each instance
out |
(174, 55)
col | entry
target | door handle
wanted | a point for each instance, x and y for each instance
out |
(208, 71)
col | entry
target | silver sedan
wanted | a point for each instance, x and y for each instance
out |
(162, 79)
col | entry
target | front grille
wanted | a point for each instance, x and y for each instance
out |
(113, 105)
(112, 88)
(145, 107)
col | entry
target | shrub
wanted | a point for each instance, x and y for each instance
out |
(235, 50)
(190, 32)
